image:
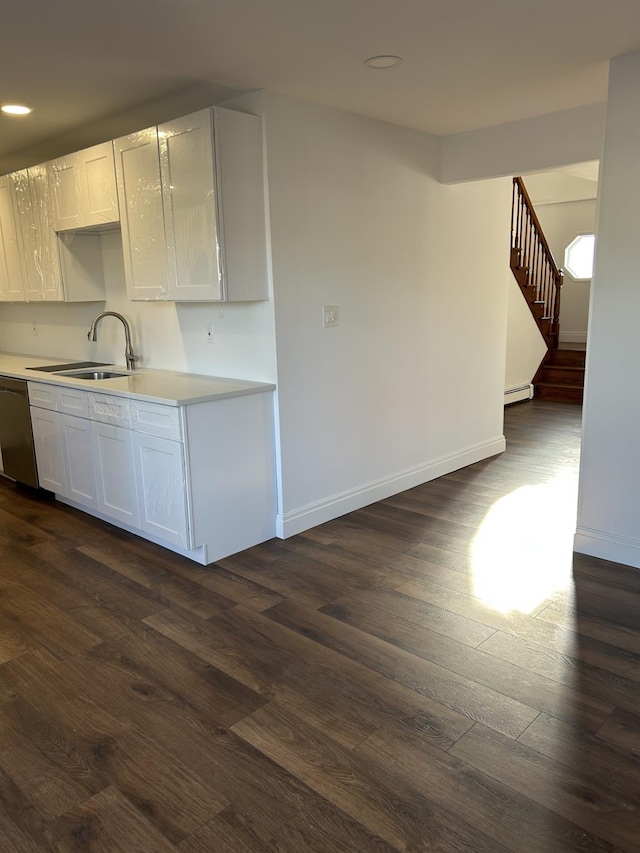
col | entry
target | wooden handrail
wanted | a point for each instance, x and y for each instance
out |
(533, 264)
(530, 208)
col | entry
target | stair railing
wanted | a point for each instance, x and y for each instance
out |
(530, 250)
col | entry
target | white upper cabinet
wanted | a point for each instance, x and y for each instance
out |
(43, 279)
(11, 272)
(192, 208)
(83, 188)
(56, 267)
(141, 215)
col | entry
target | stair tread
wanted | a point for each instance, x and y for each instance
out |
(574, 368)
(551, 384)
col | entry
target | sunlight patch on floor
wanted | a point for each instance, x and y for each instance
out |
(522, 553)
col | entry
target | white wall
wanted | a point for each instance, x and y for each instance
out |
(561, 223)
(166, 335)
(555, 139)
(525, 345)
(410, 385)
(609, 504)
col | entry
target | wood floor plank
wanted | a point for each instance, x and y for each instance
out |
(198, 684)
(16, 529)
(326, 828)
(436, 619)
(38, 677)
(108, 823)
(558, 613)
(615, 820)
(566, 668)
(322, 829)
(43, 623)
(229, 832)
(23, 828)
(438, 683)
(589, 759)
(496, 809)
(392, 810)
(42, 762)
(172, 587)
(103, 586)
(300, 578)
(622, 730)
(236, 588)
(109, 746)
(544, 633)
(339, 696)
(478, 666)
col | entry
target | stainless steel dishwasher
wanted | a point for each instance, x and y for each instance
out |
(16, 436)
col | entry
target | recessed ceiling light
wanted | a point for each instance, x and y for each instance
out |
(15, 109)
(384, 61)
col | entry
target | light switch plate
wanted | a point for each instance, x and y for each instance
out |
(330, 316)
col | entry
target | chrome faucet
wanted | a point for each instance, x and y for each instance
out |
(129, 355)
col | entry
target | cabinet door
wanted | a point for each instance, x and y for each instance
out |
(43, 280)
(160, 475)
(81, 481)
(141, 215)
(46, 237)
(64, 190)
(239, 162)
(11, 274)
(97, 179)
(190, 207)
(28, 235)
(50, 451)
(115, 474)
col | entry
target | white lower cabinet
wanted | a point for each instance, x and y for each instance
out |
(198, 478)
(115, 474)
(64, 455)
(80, 476)
(50, 455)
(162, 488)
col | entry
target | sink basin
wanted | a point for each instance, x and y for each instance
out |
(92, 374)
(74, 365)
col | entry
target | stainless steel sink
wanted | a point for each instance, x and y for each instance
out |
(73, 365)
(92, 374)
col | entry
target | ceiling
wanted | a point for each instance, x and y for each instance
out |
(578, 182)
(467, 63)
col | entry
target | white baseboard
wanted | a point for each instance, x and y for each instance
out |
(573, 337)
(311, 515)
(515, 395)
(617, 549)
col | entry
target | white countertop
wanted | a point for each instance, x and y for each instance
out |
(159, 386)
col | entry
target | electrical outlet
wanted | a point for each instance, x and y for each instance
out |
(330, 316)
(209, 334)
(34, 328)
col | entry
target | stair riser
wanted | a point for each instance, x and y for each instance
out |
(559, 395)
(565, 375)
(568, 357)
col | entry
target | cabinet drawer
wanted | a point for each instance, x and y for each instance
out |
(156, 419)
(42, 395)
(110, 410)
(72, 401)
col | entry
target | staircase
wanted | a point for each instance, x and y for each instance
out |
(560, 376)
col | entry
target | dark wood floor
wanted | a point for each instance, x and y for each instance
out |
(431, 673)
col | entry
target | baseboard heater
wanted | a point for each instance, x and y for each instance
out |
(515, 395)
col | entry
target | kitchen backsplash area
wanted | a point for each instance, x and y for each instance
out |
(167, 335)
